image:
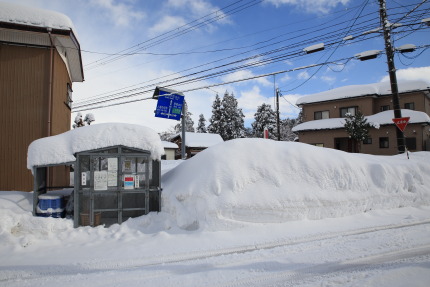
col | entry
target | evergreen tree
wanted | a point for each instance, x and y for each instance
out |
(167, 135)
(189, 123)
(286, 128)
(201, 126)
(357, 128)
(231, 123)
(79, 122)
(265, 117)
(215, 120)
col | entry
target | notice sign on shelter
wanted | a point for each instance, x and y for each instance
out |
(128, 181)
(100, 180)
(401, 123)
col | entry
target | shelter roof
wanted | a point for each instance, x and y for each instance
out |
(62, 148)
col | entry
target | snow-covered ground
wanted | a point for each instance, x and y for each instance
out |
(248, 212)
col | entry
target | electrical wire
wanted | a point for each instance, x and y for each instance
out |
(208, 76)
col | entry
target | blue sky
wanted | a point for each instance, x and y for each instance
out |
(175, 38)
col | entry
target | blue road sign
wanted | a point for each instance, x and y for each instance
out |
(169, 106)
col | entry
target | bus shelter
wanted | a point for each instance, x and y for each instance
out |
(110, 183)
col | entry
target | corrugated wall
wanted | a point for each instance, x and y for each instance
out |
(24, 90)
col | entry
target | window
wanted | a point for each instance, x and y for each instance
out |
(319, 145)
(385, 108)
(383, 142)
(411, 143)
(350, 110)
(367, 141)
(410, 106)
(69, 96)
(321, 115)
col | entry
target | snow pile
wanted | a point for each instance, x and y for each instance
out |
(24, 15)
(258, 180)
(376, 120)
(61, 148)
(201, 139)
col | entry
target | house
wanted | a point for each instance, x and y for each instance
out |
(169, 150)
(40, 58)
(195, 142)
(324, 117)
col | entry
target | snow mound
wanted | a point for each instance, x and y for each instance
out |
(260, 181)
(62, 148)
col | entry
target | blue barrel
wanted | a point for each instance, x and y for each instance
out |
(50, 206)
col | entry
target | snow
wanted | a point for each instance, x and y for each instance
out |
(201, 139)
(62, 148)
(314, 48)
(24, 15)
(376, 120)
(366, 54)
(352, 91)
(245, 212)
(406, 48)
(376, 30)
(167, 144)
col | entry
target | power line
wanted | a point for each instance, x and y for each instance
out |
(133, 92)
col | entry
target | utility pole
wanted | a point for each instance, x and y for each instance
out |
(277, 115)
(183, 119)
(386, 26)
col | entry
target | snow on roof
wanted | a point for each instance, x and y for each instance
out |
(201, 139)
(24, 15)
(382, 118)
(62, 148)
(352, 91)
(167, 144)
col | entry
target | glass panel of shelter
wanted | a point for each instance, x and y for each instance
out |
(112, 187)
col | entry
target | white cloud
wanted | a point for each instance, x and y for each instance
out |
(251, 99)
(197, 8)
(245, 74)
(285, 78)
(328, 79)
(119, 13)
(311, 6)
(422, 73)
(303, 75)
(167, 23)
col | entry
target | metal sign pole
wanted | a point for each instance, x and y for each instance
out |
(184, 113)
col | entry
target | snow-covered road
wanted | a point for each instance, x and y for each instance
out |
(375, 255)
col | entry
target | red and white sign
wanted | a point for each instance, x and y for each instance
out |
(266, 133)
(401, 123)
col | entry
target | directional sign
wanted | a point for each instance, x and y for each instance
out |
(401, 123)
(169, 105)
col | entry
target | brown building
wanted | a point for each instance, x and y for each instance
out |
(40, 58)
(324, 117)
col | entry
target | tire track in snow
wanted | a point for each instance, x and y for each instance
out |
(99, 267)
(314, 274)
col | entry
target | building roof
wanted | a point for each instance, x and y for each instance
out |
(376, 120)
(62, 148)
(200, 139)
(353, 91)
(167, 144)
(14, 19)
